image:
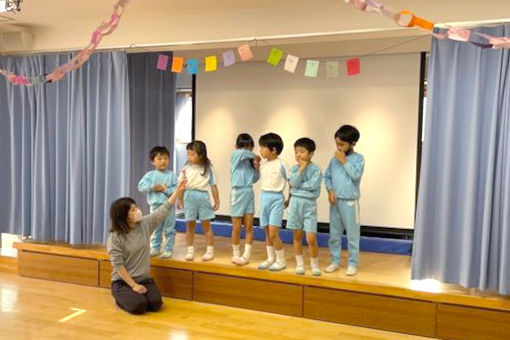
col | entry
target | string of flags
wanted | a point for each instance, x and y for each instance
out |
(403, 18)
(409, 19)
(275, 57)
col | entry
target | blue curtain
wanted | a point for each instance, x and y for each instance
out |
(152, 118)
(462, 230)
(65, 148)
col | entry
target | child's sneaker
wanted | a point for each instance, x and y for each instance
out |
(241, 261)
(266, 264)
(316, 271)
(155, 252)
(209, 254)
(190, 255)
(351, 271)
(300, 269)
(277, 266)
(332, 267)
(166, 254)
(235, 259)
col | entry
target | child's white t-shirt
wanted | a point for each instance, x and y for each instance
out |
(195, 178)
(273, 175)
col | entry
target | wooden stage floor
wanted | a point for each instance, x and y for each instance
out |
(381, 296)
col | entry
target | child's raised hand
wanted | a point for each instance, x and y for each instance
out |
(302, 164)
(332, 197)
(341, 156)
(256, 162)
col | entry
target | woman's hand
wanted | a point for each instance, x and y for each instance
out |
(140, 289)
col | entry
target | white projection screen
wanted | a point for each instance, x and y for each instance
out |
(382, 102)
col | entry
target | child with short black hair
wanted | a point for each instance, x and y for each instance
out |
(305, 187)
(342, 179)
(159, 184)
(273, 178)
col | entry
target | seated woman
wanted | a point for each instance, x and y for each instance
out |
(128, 246)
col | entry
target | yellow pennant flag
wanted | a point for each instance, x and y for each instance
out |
(211, 63)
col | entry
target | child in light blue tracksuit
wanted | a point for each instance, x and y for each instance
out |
(342, 179)
(305, 187)
(159, 184)
(244, 172)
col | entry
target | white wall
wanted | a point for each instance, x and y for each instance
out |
(382, 102)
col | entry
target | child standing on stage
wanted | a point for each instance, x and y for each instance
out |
(159, 184)
(244, 172)
(305, 186)
(273, 177)
(199, 176)
(342, 179)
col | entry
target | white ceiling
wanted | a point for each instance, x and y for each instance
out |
(59, 25)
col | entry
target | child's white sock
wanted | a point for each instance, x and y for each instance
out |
(190, 254)
(270, 258)
(209, 254)
(247, 251)
(314, 262)
(300, 265)
(280, 261)
(236, 251)
(299, 260)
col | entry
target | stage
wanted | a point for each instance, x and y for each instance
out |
(381, 296)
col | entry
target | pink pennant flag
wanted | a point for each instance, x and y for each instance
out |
(353, 67)
(245, 52)
(162, 62)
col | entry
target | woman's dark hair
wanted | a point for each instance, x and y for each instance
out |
(244, 140)
(347, 133)
(158, 150)
(306, 143)
(272, 141)
(201, 150)
(118, 214)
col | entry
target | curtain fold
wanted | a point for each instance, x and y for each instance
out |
(462, 229)
(65, 148)
(152, 108)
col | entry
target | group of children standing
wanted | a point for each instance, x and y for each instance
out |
(342, 181)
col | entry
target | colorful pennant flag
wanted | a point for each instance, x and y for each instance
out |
(245, 52)
(211, 63)
(229, 58)
(291, 63)
(312, 68)
(192, 66)
(162, 62)
(332, 69)
(275, 56)
(177, 64)
(353, 67)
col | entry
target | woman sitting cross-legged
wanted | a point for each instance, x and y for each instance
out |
(129, 248)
